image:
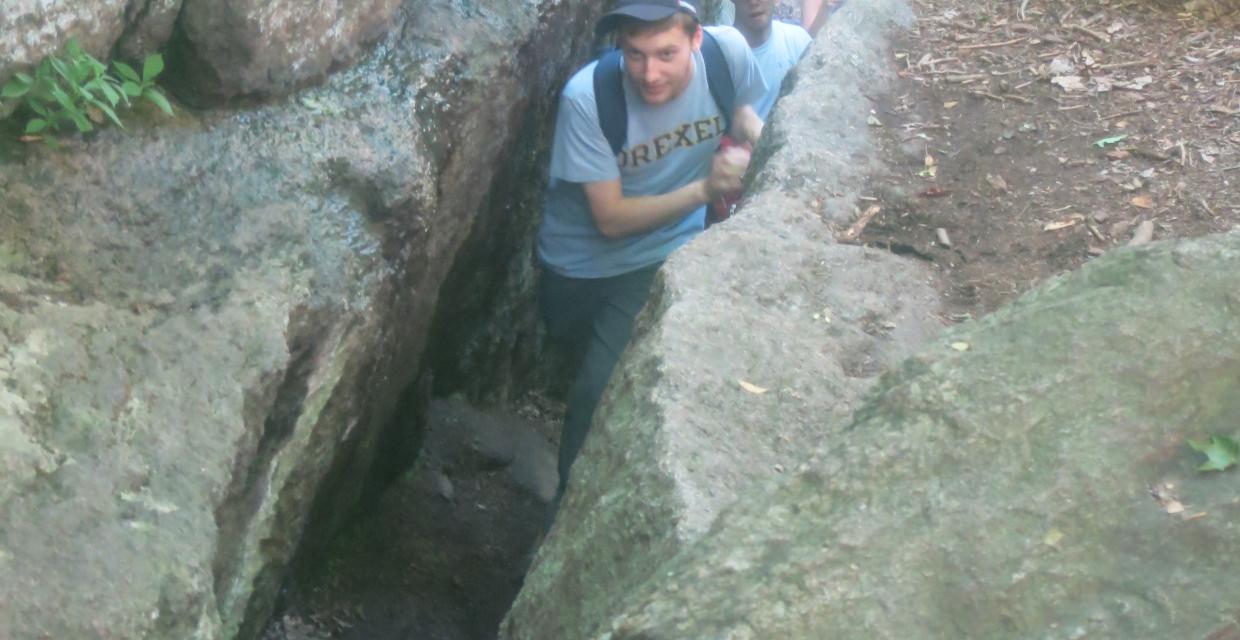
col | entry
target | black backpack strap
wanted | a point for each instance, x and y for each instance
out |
(719, 77)
(613, 113)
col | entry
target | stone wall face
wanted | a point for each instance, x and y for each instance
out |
(1038, 483)
(253, 48)
(768, 300)
(206, 321)
(32, 29)
(256, 47)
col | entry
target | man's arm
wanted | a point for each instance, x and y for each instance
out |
(746, 125)
(748, 83)
(814, 14)
(809, 12)
(617, 216)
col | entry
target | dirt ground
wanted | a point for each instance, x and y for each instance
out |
(445, 550)
(1026, 138)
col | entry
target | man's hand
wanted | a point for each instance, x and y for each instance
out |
(727, 169)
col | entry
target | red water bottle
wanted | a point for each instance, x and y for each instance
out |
(722, 207)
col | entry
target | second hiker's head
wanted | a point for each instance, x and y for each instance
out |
(658, 38)
(753, 19)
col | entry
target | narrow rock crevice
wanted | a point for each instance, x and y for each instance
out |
(280, 406)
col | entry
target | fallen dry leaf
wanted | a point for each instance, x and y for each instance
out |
(950, 104)
(1144, 201)
(1136, 84)
(997, 182)
(1061, 67)
(934, 191)
(1052, 538)
(1173, 507)
(752, 388)
(960, 346)
(1069, 83)
(1118, 154)
(1063, 224)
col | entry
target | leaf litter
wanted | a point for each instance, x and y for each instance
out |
(1026, 113)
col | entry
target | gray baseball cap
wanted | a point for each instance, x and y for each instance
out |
(644, 10)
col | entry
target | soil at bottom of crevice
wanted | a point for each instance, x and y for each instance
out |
(445, 551)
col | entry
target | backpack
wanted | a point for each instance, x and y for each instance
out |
(613, 113)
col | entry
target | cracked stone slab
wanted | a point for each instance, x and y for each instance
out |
(1035, 483)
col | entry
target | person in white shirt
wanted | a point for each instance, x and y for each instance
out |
(776, 45)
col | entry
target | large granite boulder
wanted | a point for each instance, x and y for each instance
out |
(758, 342)
(249, 47)
(221, 48)
(150, 24)
(206, 322)
(31, 30)
(1026, 476)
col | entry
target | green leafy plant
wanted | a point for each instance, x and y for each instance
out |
(1220, 451)
(80, 90)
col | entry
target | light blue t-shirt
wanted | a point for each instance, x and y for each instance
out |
(776, 57)
(667, 146)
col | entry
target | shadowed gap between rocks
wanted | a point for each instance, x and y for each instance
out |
(457, 494)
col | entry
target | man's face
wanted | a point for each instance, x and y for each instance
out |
(660, 63)
(754, 16)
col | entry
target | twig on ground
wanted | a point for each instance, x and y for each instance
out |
(1002, 98)
(855, 229)
(1125, 65)
(1120, 114)
(1102, 37)
(983, 94)
(991, 45)
(1095, 232)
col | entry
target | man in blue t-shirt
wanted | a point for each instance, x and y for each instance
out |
(612, 218)
(776, 45)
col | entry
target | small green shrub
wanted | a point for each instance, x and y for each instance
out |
(79, 89)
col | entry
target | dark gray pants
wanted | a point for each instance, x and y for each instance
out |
(592, 318)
